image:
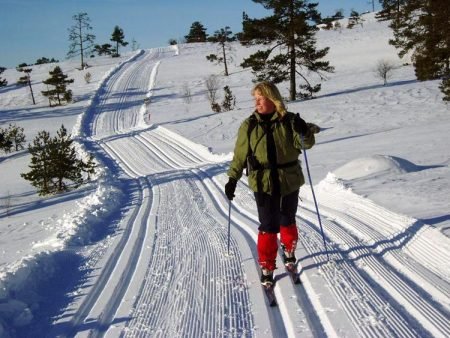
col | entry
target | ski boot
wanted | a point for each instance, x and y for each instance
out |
(267, 277)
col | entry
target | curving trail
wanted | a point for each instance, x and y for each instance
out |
(167, 271)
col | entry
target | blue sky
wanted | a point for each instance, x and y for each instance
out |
(31, 29)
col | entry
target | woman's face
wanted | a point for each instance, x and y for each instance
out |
(262, 104)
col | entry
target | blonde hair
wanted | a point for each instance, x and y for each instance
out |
(270, 91)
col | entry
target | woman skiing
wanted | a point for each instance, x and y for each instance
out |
(268, 144)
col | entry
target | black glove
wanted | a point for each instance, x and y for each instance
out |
(313, 128)
(300, 125)
(230, 187)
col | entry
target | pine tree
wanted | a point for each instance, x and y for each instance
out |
(88, 167)
(290, 32)
(135, 45)
(5, 142)
(118, 37)
(65, 163)
(222, 37)
(26, 80)
(423, 28)
(354, 19)
(54, 164)
(40, 175)
(3, 82)
(338, 15)
(81, 40)
(229, 100)
(16, 136)
(445, 88)
(197, 33)
(59, 81)
(390, 9)
(105, 49)
(44, 60)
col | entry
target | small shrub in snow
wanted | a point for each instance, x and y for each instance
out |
(384, 70)
(88, 77)
(187, 95)
(216, 107)
(212, 86)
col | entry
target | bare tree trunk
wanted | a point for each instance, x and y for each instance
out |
(225, 59)
(31, 89)
(81, 44)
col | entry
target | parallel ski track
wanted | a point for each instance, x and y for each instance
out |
(236, 319)
(128, 248)
(131, 237)
(125, 93)
(406, 292)
(391, 244)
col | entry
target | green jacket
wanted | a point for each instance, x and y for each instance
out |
(288, 144)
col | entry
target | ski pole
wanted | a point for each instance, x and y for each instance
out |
(314, 198)
(229, 224)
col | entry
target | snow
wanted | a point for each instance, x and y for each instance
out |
(142, 250)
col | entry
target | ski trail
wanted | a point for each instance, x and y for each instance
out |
(104, 296)
(167, 272)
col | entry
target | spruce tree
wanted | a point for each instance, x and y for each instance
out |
(197, 33)
(118, 37)
(59, 82)
(292, 51)
(423, 28)
(82, 41)
(26, 80)
(222, 37)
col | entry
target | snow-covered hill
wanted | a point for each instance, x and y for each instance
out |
(142, 251)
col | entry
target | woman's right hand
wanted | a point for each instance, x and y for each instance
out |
(230, 187)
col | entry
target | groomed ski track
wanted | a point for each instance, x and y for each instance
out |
(167, 271)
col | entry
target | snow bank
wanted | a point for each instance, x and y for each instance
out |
(374, 165)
